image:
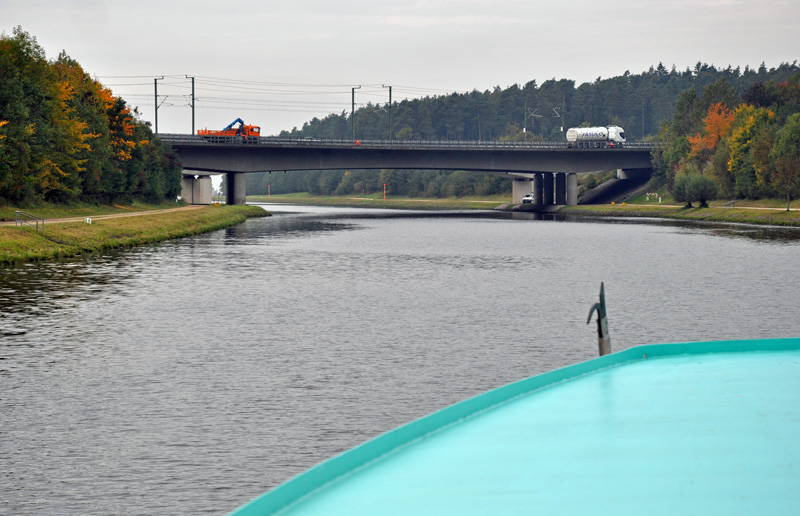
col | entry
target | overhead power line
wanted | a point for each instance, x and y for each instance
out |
(222, 93)
(268, 86)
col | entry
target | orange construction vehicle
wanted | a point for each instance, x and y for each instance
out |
(231, 133)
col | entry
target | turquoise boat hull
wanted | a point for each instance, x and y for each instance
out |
(690, 428)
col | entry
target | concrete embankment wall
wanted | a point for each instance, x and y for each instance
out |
(613, 190)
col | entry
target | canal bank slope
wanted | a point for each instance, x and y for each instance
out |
(67, 237)
(743, 215)
(755, 212)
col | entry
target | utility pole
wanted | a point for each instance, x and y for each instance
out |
(561, 118)
(390, 110)
(353, 110)
(192, 78)
(155, 84)
(529, 114)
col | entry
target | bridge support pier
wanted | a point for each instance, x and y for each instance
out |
(561, 188)
(538, 189)
(572, 189)
(196, 189)
(520, 187)
(547, 198)
(235, 191)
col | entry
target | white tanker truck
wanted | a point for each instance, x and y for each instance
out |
(595, 137)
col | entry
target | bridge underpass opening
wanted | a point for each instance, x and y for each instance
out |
(547, 188)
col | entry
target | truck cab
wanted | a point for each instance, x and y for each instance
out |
(616, 135)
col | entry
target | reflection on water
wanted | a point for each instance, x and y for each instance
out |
(763, 234)
(192, 375)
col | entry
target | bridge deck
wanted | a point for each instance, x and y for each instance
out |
(188, 139)
(268, 154)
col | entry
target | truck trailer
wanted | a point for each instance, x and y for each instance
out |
(595, 137)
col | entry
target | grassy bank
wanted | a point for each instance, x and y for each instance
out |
(666, 199)
(765, 211)
(739, 214)
(57, 211)
(68, 239)
(377, 201)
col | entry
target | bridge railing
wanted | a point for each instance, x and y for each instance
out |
(383, 144)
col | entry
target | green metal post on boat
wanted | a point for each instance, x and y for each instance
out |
(603, 339)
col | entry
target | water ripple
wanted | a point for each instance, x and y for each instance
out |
(192, 375)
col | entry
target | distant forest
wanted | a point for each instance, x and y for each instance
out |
(643, 104)
(66, 138)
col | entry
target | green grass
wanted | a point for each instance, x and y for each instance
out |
(765, 211)
(376, 200)
(667, 199)
(57, 211)
(745, 215)
(67, 239)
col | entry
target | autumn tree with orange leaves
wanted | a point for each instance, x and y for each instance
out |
(734, 141)
(67, 138)
(716, 127)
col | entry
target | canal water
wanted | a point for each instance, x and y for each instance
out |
(191, 376)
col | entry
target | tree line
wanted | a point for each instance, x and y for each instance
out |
(643, 104)
(65, 138)
(410, 183)
(737, 146)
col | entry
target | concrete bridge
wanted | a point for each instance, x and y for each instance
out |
(547, 169)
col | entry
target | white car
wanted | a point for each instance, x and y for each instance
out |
(527, 199)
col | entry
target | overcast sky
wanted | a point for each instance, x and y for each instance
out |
(290, 61)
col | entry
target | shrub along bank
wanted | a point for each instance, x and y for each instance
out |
(67, 239)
